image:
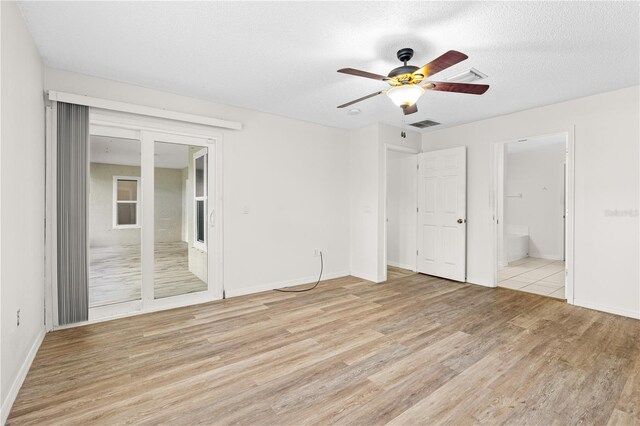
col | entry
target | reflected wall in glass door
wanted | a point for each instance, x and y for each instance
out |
(180, 207)
(114, 221)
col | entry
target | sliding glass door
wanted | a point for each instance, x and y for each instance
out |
(151, 221)
(114, 221)
(180, 210)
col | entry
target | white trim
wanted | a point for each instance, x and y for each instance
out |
(367, 277)
(137, 202)
(281, 284)
(142, 110)
(113, 132)
(609, 309)
(498, 148)
(407, 150)
(479, 282)
(401, 265)
(22, 374)
(569, 232)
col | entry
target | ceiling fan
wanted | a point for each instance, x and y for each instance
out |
(407, 81)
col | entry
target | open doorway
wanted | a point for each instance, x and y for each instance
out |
(401, 192)
(531, 198)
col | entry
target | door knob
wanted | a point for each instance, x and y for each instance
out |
(461, 221)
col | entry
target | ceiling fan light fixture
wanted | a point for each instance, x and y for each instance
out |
(406, 95)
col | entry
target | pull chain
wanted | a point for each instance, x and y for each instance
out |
(403, 133)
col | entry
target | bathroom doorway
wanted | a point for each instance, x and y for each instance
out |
(532, 210)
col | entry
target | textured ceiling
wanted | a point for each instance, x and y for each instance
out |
(282, 57)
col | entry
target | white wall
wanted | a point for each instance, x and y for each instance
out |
(535, 169)
(22, 205)
(606, 191)
(367, 154)
(401, 209)
(291, 176)
(169, 185)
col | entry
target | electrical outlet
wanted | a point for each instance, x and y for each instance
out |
(18, 317)
(316, 252)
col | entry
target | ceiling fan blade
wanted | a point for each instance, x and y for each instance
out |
(366, 74)
(472, 89)
(450, 58)
(410, 109)
(360, 99)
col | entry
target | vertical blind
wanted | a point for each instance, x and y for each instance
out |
(72, 140)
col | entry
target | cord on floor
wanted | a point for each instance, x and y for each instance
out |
(284, 290)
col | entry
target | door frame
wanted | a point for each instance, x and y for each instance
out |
(406, 150)
(129, 125)
(497, 167)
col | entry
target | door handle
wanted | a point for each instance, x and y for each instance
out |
(461, 221)
(212, 221)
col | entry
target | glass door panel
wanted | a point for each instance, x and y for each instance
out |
(180, 219)
(114, 221)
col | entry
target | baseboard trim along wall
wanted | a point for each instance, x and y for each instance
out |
(272, 286)
(22, 374)
(364, 276)
(478, 282)
(609, 309)
(402, 265)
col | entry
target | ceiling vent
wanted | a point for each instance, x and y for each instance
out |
(468, 76)
(424, 124)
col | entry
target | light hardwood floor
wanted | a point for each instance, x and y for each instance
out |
(414, 350)
(115, 277)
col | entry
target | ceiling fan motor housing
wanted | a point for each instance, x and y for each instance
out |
(405, 54)
(404, 73)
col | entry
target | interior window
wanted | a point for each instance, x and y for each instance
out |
(126, 202)
(200, 198)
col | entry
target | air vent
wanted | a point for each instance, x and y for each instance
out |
(424, 124)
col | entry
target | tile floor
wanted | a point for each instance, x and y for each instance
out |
(534, 275)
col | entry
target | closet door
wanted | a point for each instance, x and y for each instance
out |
(442, 229)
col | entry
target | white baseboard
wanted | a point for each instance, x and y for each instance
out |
(22, 374)
(609, 309)
(474, 282)
(365, 276)
(233, 292)
(402, 265)
(546, 256)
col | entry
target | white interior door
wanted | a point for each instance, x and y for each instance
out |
(442, 228)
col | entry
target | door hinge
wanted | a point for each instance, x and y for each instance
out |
(417, 209)
(416, 252)
(418, 166)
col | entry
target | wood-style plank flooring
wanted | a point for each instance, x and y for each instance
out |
(415, 350)
(115, 274)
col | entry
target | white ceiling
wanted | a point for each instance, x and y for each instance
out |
(127, 152)
(282, 57)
